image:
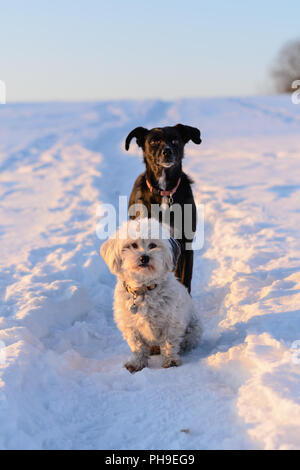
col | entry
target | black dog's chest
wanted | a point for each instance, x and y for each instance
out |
(180, 214)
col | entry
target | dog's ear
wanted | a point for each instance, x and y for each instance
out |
(189, 133)
(140, 134)
(110, 255)
(176, 250)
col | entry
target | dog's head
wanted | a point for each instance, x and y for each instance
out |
(163, 146)
(142, 250)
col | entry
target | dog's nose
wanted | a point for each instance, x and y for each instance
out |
(144, 259)
(167, 152)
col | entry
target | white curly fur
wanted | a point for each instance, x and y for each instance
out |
(165, 316)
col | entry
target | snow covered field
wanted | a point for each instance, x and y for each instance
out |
(62, 384)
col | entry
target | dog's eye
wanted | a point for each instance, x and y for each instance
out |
(134, 245)
(154, 142)
(151, 246)
(175, 142)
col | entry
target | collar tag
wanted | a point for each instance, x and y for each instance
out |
(135, 293)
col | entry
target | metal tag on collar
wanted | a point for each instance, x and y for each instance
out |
(171, 200)
(134, 307)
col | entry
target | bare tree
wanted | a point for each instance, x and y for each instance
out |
(287, 67)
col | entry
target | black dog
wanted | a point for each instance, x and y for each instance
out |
(164, 181)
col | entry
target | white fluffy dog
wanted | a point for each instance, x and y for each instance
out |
(151, 308)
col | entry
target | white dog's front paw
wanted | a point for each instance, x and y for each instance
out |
(171, 362)
(135, 365)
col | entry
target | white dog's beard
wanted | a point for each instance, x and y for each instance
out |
(133, 269)
(145, 272)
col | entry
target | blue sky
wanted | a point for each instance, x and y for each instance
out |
(95, 49)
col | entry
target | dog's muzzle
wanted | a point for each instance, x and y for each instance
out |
(168, 158)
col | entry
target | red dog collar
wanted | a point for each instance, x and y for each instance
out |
(161, 192)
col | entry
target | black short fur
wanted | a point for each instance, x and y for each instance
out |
(163, 150)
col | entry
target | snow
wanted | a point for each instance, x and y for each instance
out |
(62, 384)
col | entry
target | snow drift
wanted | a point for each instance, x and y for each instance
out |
(62, 384)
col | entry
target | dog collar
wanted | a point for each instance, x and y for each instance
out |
(140, 291)
(137, 292)
(161, 192)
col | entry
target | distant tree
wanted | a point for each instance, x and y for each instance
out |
(287, 67)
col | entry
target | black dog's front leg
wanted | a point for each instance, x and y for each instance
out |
(184, 268)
